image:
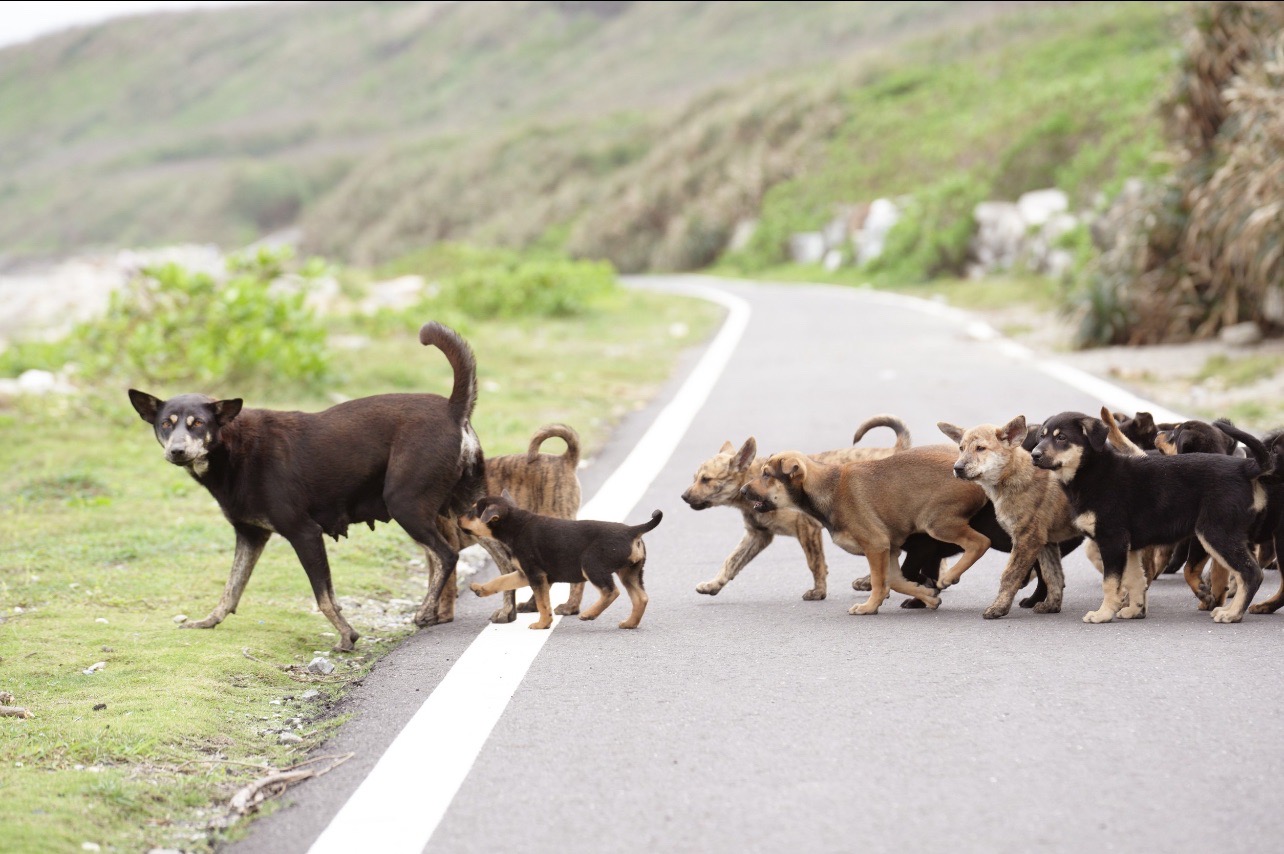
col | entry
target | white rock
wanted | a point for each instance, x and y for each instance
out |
(94, 668)
(870, 240)
(180, 618)
(807, 247)
(321, 665)
(102, 620)
(289, 738)
(310, 694)
(833, 260)
(90, 846)
(742, 234)
(1038, 206)
(37, 382)
(1241, 334)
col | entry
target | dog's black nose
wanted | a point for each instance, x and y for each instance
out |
(958, 470)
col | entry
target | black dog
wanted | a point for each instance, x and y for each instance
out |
(1127, 503)
(409, 457)
(1140, 429)
(546, 550)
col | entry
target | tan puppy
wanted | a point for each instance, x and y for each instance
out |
(546, 484)
(870, 507)
(718, 482)
(1029, 503)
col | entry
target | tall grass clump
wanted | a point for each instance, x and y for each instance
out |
(1205, 249)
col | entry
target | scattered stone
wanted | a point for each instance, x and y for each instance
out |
(870, 240)
(289, 738)
(5, 698)
(310, 694)
(90, 846)
(833, 260)
(102, 620)
(1241, 334)
(94, 668)
(98, 707)
(180, 618)
(742, 234)
(1039, 206)
(321, 665)
(807, 247)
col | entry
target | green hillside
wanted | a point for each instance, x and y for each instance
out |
(640, 132)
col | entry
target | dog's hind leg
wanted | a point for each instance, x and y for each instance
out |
(631, 578)
(434, 610)
(249, 545)
(606, 595)
(1235, 555)
(920, 596)
(1135, 584)
(751, 545)
(1271, 605)
(311, 551)
(571, 606)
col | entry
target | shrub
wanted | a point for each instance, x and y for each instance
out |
(171, 326)
(932, 236)
(537, 287)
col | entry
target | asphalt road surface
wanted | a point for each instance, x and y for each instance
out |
(756, 721)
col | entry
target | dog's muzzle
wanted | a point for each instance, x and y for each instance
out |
(695, 503)
(1041, 460)
(961, 472)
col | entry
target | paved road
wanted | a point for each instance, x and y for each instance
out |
(755, 721)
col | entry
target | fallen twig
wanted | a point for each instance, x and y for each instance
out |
(249, 797)
(15, 712)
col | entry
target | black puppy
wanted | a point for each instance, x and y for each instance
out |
(547, 550)
(1127, 503)
(409, 457)
(1140, 429)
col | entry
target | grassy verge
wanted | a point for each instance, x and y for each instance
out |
(102, 544)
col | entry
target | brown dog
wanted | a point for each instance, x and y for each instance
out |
(1029, 503)
(546, 484)
(871, 507)
(718, 482)
(547, 550)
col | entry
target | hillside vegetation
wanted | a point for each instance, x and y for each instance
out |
(640, 132)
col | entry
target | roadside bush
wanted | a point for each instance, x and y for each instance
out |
(931, 239)
(540, 287)
(170, 326)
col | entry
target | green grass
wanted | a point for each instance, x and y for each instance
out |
(102, 544)
(1234, 373)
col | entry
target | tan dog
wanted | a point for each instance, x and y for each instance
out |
(1028, 502)
(718, 482)
(871, 507)
(546, 484)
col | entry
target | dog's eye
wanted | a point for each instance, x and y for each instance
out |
(196, 422)
(166, 427)
(981, 448)
(705, 479)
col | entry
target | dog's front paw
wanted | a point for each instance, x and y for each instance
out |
(1226, 614)
(528, 607)
(540, 624)
(864, 608)
(994, 612)
(628, 624)
(1133, 612)
(1263, 608)
(931, 602)
(814, 595)
(1101, 615)
(503, 615)
(588, 616)
(478, 589)
(863, 584)
(1047, 608)
(566, 609)
(709, 588)
(913, 604)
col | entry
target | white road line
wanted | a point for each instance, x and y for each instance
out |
(399, 805)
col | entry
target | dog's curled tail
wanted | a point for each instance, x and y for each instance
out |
(638, 530)
(556, 431)
(1255, 447)
(897, 425)
(463, 397)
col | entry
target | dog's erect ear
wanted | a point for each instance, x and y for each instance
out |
(727, 448)
(791, 466)
(490, 514)
(1096, 432)
(1144, 422)
(226, 410)
(1014, 432)
(745, 455)
(951, 430)
(146, 405)
(505, 494)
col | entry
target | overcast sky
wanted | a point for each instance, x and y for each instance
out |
(23, 21)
